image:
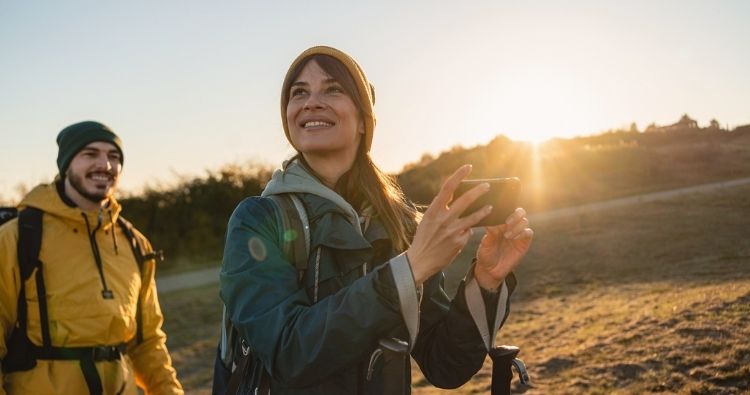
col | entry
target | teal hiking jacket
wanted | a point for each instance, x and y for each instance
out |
(316, 335)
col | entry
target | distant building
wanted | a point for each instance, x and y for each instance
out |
(683, 125)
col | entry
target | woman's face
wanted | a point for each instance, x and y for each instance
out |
(323, 120)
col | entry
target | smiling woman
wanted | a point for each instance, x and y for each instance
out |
(367, 291)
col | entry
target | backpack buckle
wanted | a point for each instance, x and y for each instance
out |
(245, 348)
(105, 353)
(157, 255)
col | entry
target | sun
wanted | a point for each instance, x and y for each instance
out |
(542, 104)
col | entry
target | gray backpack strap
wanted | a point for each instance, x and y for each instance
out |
(303, 219)
(294, 238)
(295, 232)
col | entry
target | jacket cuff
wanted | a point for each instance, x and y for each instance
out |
(408, 299)
(478, 309)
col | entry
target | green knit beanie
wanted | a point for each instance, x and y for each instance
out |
(73, 138)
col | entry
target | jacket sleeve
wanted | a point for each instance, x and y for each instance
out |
(454, 337)
(151, 360)
(10, 279)
(298, 342)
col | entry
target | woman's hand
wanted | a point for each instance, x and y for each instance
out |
(502, 248)
(442, 234)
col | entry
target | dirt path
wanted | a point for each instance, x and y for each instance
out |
(192, 279)
(197, 278)
(630, 200)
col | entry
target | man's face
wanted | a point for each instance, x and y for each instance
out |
(94, 171)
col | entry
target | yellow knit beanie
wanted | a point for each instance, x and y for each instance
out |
(365, 90)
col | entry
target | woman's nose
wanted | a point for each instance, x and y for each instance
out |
(313, 102)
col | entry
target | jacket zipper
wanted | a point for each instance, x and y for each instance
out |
(317, 276)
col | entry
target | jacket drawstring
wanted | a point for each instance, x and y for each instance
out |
(106, 292)
(364, 221)
(112, 229)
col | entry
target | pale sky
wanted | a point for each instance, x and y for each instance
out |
(192, 85)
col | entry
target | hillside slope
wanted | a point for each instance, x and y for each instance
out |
(650, 299)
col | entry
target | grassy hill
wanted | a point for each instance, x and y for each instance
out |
(188, 220)
(565, 172)
(652, 298)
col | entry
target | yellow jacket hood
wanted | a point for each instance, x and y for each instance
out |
(46, 198)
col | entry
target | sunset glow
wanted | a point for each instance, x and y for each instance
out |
(196, 87)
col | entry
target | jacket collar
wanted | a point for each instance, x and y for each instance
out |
(294, 178)
(49, 199)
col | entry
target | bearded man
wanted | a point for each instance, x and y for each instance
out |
(78, 302)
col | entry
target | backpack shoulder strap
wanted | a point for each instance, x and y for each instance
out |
(18, 356)
(295, 232)
(141, 257)
(294, 237)
(135, 245)
(305, 222)
(29, 240)
(29, 245)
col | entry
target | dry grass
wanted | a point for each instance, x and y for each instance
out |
(647, 299)
(191, 320)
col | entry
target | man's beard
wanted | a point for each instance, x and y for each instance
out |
(77, 183)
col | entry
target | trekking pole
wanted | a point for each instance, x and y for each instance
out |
(395, 355)
(503, 357)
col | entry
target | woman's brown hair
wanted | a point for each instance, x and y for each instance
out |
(364, 182)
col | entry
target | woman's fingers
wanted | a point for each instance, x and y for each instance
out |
(445, 194)
(515, 216)
(471, 219)
(460, 204)
(527, 233)
(496, 230)
(517, 228)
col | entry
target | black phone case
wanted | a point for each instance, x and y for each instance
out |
(502, 196)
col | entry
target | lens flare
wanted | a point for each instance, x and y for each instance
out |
(257, 249)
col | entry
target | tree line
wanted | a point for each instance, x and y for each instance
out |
(188, 221)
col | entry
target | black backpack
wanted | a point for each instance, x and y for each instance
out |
(236, 370)
(7, 214)
(22, 353)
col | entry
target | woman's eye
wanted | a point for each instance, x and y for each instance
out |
(297, 92)
(335, 89)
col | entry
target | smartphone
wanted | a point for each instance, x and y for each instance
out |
(502, 196)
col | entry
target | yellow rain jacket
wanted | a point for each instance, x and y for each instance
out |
(78, 314)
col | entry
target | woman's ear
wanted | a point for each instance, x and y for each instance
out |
(361, 127)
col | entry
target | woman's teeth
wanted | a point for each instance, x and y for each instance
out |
(313, 124)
